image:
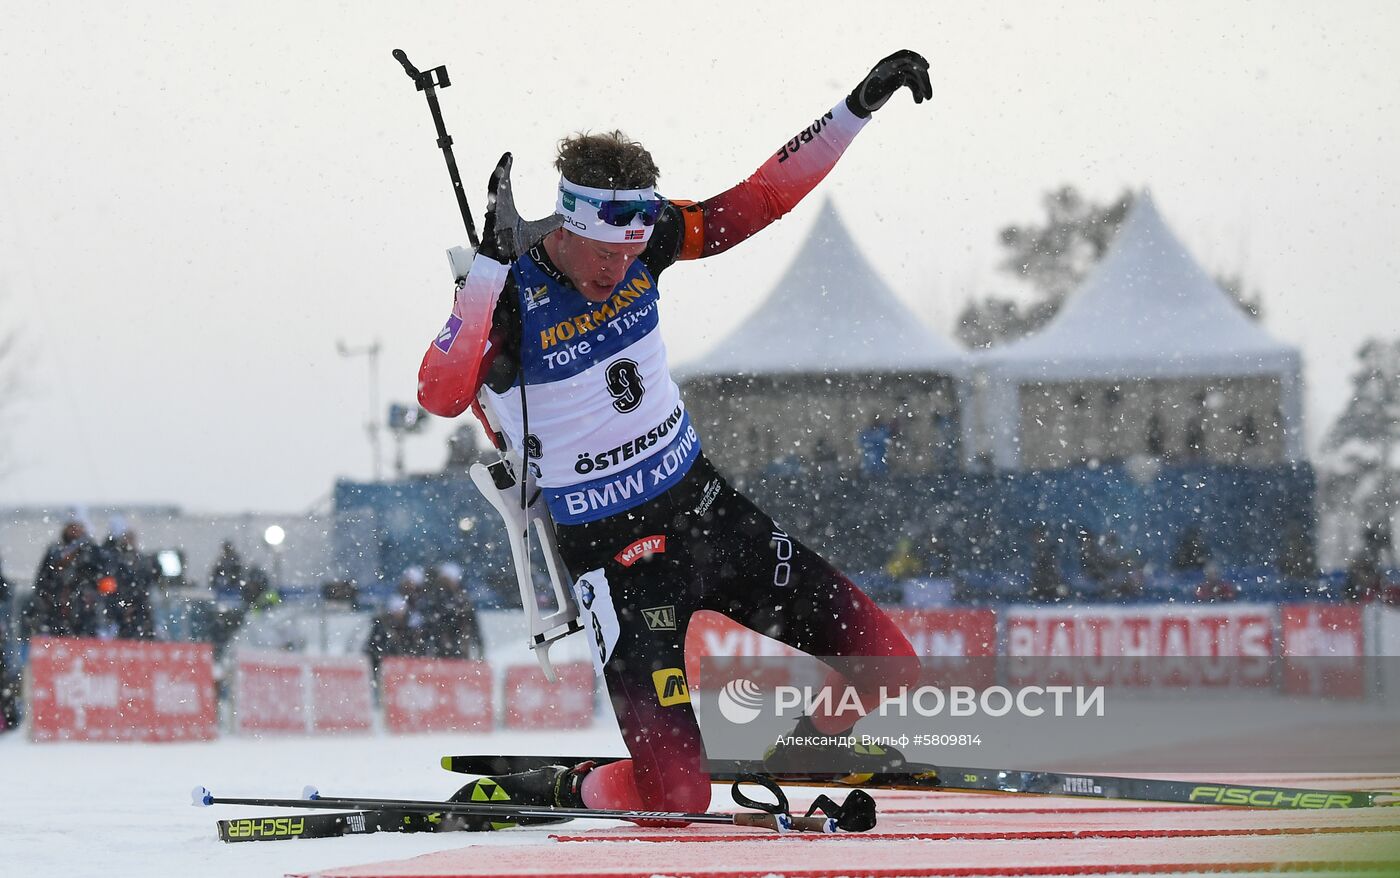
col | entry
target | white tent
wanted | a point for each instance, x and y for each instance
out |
(1146, 311)
(830, 313)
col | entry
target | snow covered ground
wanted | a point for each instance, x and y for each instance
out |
(123, 810)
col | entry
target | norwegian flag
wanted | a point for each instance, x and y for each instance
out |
(634, 234)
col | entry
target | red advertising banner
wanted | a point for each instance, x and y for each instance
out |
(268, 693)
(436, 695)
(121, 690)
(532, 702)
(287, 693)
(716, 636)
(342, 699)
(1207, 646)
(1325, 631)
(949, 633)
(934, 632)
(729, 645)
(1244, 631)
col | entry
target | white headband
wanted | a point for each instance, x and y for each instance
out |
(581, 215)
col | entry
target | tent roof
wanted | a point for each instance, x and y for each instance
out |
(1147, 310)
(829, 313)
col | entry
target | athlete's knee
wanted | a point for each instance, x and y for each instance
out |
(684, 792)
(672, 781)
(650, 781)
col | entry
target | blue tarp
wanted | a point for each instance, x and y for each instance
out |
(975, 525)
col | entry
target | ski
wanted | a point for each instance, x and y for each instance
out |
(283, 827)
(951, 779)
(856, 815)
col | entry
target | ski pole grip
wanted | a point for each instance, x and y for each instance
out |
(760, 821)
(402, 58)
(813, 824)
(785, 822)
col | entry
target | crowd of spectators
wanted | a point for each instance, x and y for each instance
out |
(1102, 568)
(430, 615)
(86, 588)
(110, 589)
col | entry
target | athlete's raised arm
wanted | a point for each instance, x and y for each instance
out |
(716, 224)
(452, 369)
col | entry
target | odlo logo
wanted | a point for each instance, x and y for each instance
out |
(782, 547)
(740, 701)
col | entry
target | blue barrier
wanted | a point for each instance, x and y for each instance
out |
(983, 521)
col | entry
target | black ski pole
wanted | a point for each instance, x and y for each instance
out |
(426, 82)
(777, 820)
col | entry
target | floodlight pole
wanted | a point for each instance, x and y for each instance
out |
(371, 353)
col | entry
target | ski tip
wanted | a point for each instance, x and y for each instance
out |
(200, 797)
(310, 792)
(446, 762)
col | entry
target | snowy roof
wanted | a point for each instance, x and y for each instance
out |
(1147, 310)
(830, 313)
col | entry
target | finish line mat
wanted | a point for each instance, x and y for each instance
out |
(1068, 841)
(1008, 826)
(886, 858)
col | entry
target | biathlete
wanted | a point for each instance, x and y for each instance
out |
(649, 530)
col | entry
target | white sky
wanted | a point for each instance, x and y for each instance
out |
(198, 200)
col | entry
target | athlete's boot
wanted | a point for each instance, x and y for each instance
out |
(553, 785)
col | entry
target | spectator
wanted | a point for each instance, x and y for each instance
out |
(417, 614)
(1376, 542)
(389, 634)
(903, 563)
(874, 447)
(945, 442)
(1363, 581)
(1091, 564)
(1118, 570)
(497, 590)
(126, 583)
(1215, 589)
(456, 633)
(1297, 562)
(257, 591)
(228, 577)
(1046, 585)
(64, 602)
(1191, 553)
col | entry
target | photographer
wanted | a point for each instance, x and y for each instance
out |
(65, 599)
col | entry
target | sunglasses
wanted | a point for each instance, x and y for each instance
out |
(620, 213)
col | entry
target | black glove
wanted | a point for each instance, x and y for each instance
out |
(504, 235)
(903, 68)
